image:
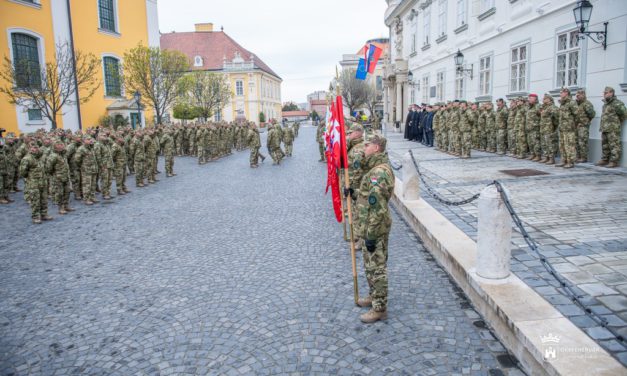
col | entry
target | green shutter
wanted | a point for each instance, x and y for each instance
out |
(26, 60)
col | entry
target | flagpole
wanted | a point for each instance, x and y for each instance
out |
(348, 202)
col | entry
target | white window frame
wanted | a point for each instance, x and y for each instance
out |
(462, 12)
(413, 42)
(442, 14)
(41, 47)
(486, 76)
(426, 26)
(425, 88)
(440, 85)
(486, 5)
(116, 10)
(460, 85)
(412, 96)
(239, 87)
(567, 53)
(198, 61)
(515, 65)
(218, 115)
(104, 76)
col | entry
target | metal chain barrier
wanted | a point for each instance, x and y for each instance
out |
(435, 195)
(567, 286)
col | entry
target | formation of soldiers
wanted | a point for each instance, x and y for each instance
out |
(527, 129)
(277, 134)
(58, 163)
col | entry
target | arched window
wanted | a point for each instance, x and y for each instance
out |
(26, 60)
(112, 76)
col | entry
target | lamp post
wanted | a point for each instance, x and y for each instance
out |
(583, 12)
(459, 64)
(138, 97)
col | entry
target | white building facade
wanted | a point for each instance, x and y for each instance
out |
(511, 48)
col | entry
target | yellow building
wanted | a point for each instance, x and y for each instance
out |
(106, 28)
(256, 87)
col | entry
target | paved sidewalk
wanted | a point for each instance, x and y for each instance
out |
(578, 217)
(224, 270)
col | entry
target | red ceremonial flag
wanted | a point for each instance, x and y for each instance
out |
(340, 114)
(333, 155)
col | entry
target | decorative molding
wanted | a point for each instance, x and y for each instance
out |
(35, 5)
(464, 27)
(413, 54)
(425, 4)
(623, 87)
(486, 14)
(483, 98)
(512, 1)
(441, 39)
(109, 32)
(426, 47)
(517, 94)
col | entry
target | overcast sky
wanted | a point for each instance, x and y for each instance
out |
(302, 41)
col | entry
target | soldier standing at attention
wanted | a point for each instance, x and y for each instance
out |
(119, 165)
(374, 226)
(169, 148)
(532, 124)
(88, 164)
(465, 129)
(59, 169)
(568, 114)
(138, 155)
(501, 126)
(356, 157)
(35, 184)
(549, 117)
(288, 139)
(612, 118)
(586, 115)
(320, 139)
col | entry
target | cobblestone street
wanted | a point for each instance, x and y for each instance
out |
(224, 270)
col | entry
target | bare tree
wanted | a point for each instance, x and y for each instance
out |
(53, 86)
(206, 91)
(155, 74)
(372, 100)
(354, 91)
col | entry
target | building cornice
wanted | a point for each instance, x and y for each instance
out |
(398, 10)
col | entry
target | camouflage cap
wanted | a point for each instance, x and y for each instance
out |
(565, 89)
(377, 140)
(581, 91)
(356, 128)
(609, 89)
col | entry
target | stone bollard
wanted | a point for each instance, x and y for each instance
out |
(494, 235)
(411, 182)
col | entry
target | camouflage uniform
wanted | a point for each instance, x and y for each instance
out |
(118, 154)
(568, 114)
(105, 164)
(501, 117)
(320, 139)
(490, 129)
(482, 135)
(138, 153)
(532, 124)
(455, 134)
(32, 169)
(288, 138)
(202, 140)
(169, 148)
(254, 143)
(521, 136)
(511, 129)
(356, 160)
(75, 172)
(612, 117)
(4, 174)
(86, 160)
(274, 145)
(57, 166)
(586, 114)
(13, 164)
(549, 120)
(149, 163)
(465, 129)
(375, 221)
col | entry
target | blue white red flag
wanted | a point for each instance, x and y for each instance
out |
(362, 71)
(372, 57)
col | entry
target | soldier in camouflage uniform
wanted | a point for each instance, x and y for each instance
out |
(612, 118)
(288, 139)
(118, 154)
(549, 120)
(320, 139)
(150, 151)
(254, 144)
(58, 167)
(482, 135)
(521, 135)
(501, 117)
(202, 140)
(138, 152)
(511, 127)
(32, 169)
(532, 124)
(586, 115)
(455, 135)
(375, 221)
(274, 144)
(75, 172)
(490, 125)
(356, 157)
(105, 164)
(85, 159)
(4, 172)
(568, 118)
(444, 127)
(465, 129)
(169, 149)
(13, 164)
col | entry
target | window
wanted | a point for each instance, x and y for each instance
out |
(26, 60)
(425, 89)
(106, 10)
(426, 25)
(567, 71)
(439, 85)
(412, 96)
(34, 114)
(239, 88)
(413, 42)
(518, 69)
(485, 71)
(462, 6)
(459, 85)
(218, 115)
(379, 83)
(198, 61)
(112, 77)
(442, 18)
(486, 5)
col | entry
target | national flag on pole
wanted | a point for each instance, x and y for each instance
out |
(373, 53)
(362, 71)
(343, 145)
(334, 155)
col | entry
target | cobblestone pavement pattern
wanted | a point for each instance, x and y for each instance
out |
(577, 216)
(224, 270)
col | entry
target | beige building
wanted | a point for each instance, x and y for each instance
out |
(256, 87)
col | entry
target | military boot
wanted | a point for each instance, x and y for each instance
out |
(602, 162)
(550, 161)
(373, 316)
(37, 221)
(365, 302)
(121, 192)
(47, 218)
(69, 209)
(544, 160)
(530, 157)
(612, 164)
(536, 158)
(561, 164)
(62, 211)
(4, 201)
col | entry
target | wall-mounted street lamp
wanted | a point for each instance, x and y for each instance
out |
(459, 64)
(138, 97)
(582, 13)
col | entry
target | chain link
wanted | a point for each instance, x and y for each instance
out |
(533, 246)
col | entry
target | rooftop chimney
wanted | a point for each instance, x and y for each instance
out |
(204, 27)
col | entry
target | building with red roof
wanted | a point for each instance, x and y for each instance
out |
(256, 87)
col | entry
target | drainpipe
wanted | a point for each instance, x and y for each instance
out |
(78, 102)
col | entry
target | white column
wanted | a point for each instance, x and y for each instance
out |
(494, 236)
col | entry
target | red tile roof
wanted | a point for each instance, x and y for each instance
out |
(212, 47)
